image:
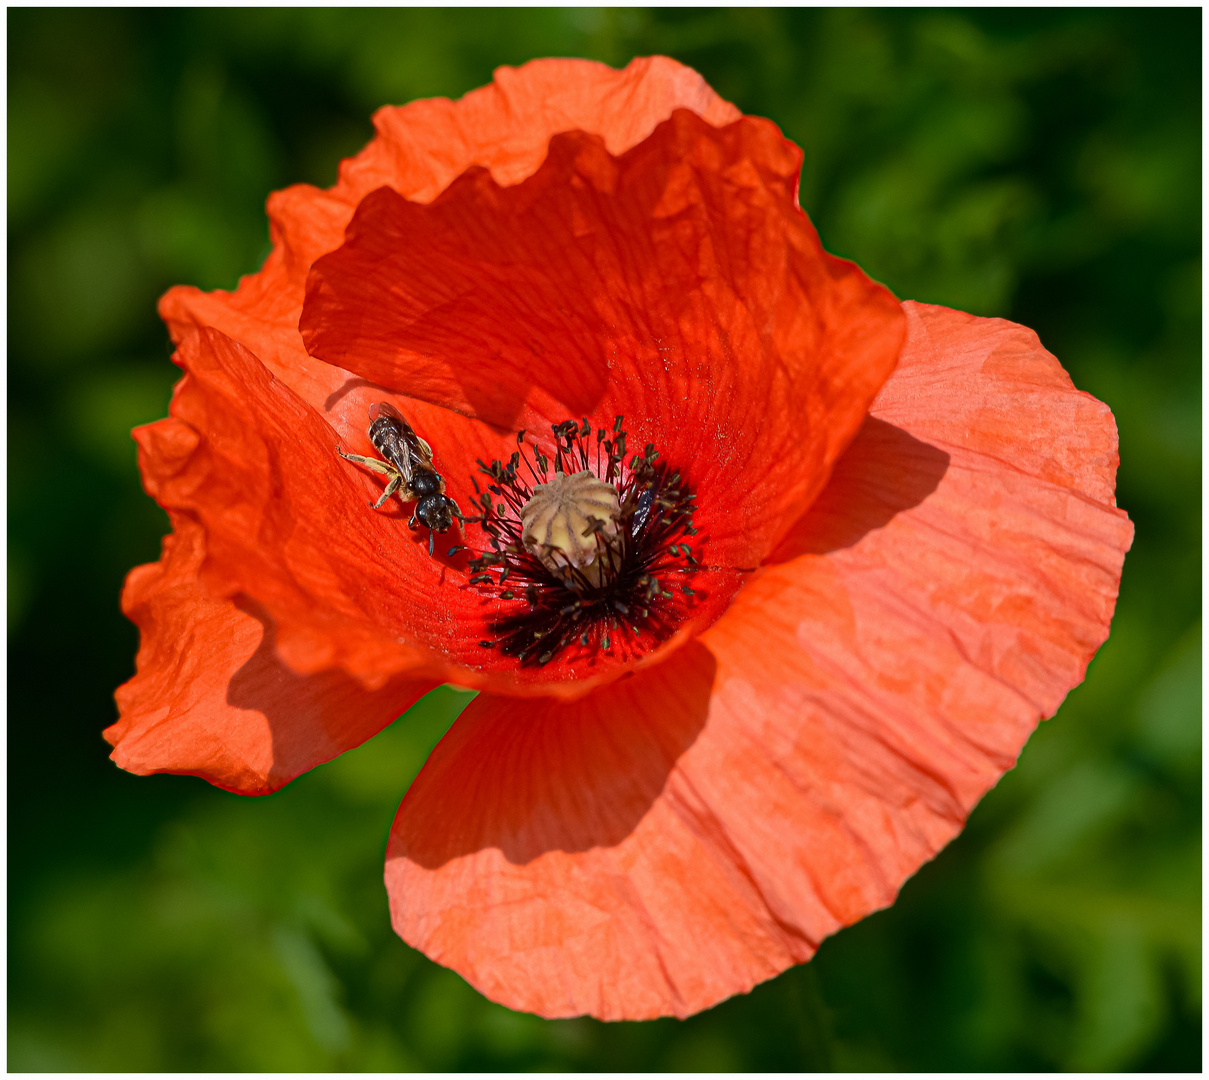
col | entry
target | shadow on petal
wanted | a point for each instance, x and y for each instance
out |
(883, 472)
(312, 718)
(529, 776)
(354, 383)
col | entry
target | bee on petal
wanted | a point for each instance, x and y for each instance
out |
(407, 463)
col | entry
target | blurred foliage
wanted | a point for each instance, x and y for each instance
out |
(1039, 165)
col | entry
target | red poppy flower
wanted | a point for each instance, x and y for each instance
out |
(844, 558)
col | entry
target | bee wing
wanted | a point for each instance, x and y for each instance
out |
(415, 449)
(385, 408)
(393, 438)
(398, 456)
(402, 462)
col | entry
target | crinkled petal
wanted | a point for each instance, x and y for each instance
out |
(212, 697)
(569, 883)
(288, 523)
(419, 149)
(679, 285)
(680, 836)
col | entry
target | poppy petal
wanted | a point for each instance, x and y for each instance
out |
(286, 520)
(682, 835)
(679, 285)
(569, 883)
(419, 149)
(213, 699)
(290, 525)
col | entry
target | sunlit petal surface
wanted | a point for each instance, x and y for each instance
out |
(700, 829)
(911, 588)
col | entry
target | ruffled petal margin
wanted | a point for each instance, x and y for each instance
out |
(680, 836)
(420, 148)
(679, 285)
(289, 525)
(211, 696)
(175, 713)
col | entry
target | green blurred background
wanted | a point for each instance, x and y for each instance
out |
(1039, 165)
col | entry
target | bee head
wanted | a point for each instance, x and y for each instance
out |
(436, 511)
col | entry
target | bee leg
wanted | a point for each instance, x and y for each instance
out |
(431, 540)
(390, 489)
(369, 462)
(411, 523)
(384, 467)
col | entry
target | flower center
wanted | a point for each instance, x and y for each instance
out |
(587, 548)
(570, 525)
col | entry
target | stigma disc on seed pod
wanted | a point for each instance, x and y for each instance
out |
(569, 525)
